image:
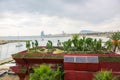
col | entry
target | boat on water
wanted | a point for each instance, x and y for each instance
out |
(19, 45)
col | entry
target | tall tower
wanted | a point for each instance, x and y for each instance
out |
(42, 34)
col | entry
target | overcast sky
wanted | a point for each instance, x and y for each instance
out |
(30, 17)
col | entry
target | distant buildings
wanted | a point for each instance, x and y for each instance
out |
(42, 34)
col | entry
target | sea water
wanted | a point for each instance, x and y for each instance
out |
(10, 48)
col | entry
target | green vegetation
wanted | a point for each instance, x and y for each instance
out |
(44, 72)
(58, 43)
(104, 75)
(75, 45)
(49, 44)
(84, 45)
(36, 45)
(67, 45)
(109, 59)
(108, 45)
(28, 45)
(6, 62)
(115, 40)
(79, 45)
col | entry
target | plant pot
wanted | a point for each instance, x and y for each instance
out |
(20, 74)
(33, 60)
(114, 66)
(81, 66)
(20, 61)
(53, 61)
(69, 66)
(69, 75)
(84, 75)
(93, 67)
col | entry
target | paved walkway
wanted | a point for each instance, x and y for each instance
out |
(9, 77)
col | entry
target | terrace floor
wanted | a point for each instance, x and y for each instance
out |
(9, 77)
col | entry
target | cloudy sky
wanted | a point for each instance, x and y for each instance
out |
(30, 17)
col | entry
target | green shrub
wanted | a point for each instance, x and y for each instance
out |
(83, 44)
(104, 75)
(44, 72)
(28, 45)
(58, 43)
(36, 45)
(115, 41)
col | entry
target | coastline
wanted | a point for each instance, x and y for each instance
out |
(11, 41)
(2, 42)
(5, 60)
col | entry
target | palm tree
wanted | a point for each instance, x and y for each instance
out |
(115, 40)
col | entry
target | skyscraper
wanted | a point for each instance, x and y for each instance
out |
(42, 34)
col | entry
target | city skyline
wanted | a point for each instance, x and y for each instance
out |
(30, 17)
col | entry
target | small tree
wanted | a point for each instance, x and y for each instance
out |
(28, 45)
(108, 45)
(75, 39)
(36, 45)
(33, 45)
(49, 46)
(115, 41)
(58, 43)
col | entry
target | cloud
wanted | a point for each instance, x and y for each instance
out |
(30, 17)
(92, 10)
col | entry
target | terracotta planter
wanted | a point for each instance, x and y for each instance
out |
(16, 70)
(81, 66)
(53, 61)
(114, 66)
(69, 66)
(21, 76)
(78, 75)
(20, 61)
(69, 75)
(93, 67)
(84, 75)
(33, 60)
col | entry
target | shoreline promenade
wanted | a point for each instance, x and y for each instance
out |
(5, 60)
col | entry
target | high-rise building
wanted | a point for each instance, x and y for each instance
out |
(42, 34)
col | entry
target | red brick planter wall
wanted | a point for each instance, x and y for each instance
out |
(86, 71)
(78, 75)
(114, 66)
